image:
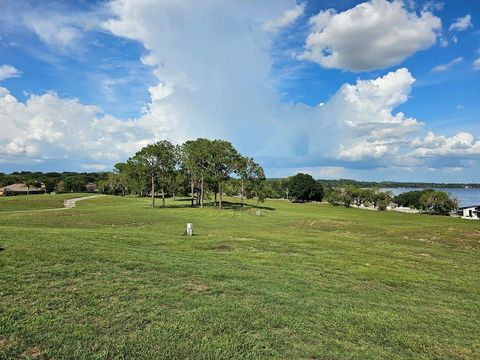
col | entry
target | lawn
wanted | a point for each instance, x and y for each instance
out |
(35, 202)
(114, 278)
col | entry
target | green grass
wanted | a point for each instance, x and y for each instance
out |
(114, 278)
(35, 202)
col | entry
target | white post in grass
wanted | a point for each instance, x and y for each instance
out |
(189, 229)
(257, 212)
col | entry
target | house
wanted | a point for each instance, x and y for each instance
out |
(21, 189)
(469, 212)
(91, 187)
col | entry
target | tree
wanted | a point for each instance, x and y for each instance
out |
(31, 183)
(251, 174)
(303, 187)
(348, 195)
(382, 199)
(438, 202)
(411, 199)
(222, 160)
(260, 188)
(334, 196)
(156, 161)
(74, 184)
(194, 155)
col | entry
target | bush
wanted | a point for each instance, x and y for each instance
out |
(411, 199)
(438, 203)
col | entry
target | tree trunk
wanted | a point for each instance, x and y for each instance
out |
(215, 199)
(173, 193)
(220, 193)
(241, 190)
(201, 193)
(192, 186)
(153, 190)
(28, 190)
(163, 198)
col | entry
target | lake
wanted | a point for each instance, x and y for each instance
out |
(466, 197)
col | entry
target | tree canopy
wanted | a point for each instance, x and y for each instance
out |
(303, 187)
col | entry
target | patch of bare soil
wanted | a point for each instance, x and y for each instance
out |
(33, 352)
(473, 234)
(4, 343)
(223, 248)
(197, 287)
(320, 223)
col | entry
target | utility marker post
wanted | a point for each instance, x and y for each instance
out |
(189, 229)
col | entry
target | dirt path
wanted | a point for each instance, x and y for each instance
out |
(71, 203)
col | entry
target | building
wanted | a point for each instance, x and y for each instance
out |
(469, 212)
(21, 189)
(91, 187)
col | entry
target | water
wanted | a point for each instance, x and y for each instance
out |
(466, 197)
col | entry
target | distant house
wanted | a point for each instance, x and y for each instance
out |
(469, 212)
(91, 187)
(20, 189)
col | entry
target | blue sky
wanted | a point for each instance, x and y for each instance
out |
(375, 90)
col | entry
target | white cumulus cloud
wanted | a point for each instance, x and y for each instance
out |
(49, 128)
(372, 35)
(287, 18)
(8, 71)
(212, 63)
(462, 23)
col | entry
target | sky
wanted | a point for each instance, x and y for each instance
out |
(369, 90)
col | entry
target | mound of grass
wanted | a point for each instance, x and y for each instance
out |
(114, 278)
(35, 202)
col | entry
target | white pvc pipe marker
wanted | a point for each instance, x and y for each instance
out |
(189, 229)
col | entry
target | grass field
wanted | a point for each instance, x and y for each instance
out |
(114, 278)
(35, 202)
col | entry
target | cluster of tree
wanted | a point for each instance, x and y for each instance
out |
(340, 183)
(53, 181)
(303, 187)
(199, 168)
(428, 200)
(352, 195)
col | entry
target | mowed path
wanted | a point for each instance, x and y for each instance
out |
(67, 204)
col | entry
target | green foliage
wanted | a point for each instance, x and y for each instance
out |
(334, 196)
(411, 199)
(155, 162)
(51, 179)
(74, 184)
(351, 195)
(438, 203)
(303, 187)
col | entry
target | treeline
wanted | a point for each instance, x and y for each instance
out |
(201, 169)
(428, 201)
(55, 181)
(352, 195)
(340, 183)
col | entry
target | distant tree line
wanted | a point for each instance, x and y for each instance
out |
(352, 195)
(428, 201)
(54, 181)
(340, 183)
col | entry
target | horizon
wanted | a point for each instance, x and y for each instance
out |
(364, 90)
(24, 172)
